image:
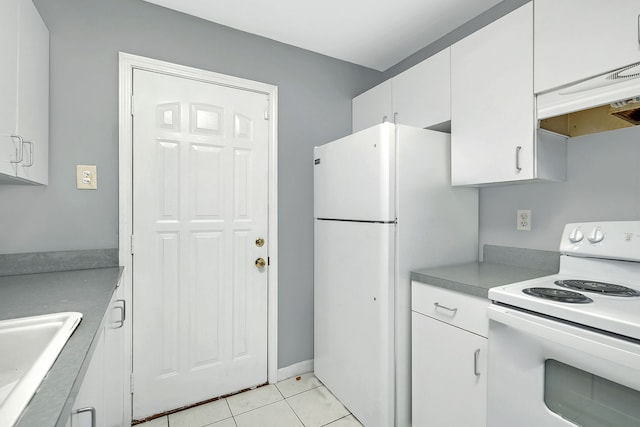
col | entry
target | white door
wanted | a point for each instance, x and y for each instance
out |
(371, 107)
(492, 103)
(33, 93)
(578, 39)
(353, 177)
(200, 168)
(354, 317)
(8, 79)
(449, 369)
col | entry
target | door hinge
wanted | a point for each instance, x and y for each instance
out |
(266, 114)
(131, 383)
(132, 244)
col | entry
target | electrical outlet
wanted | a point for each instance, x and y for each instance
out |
(86, 177)
(523, 220)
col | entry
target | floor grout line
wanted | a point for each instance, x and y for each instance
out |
(282, 397)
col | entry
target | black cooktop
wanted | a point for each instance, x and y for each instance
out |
(559, 295)
(598, 287)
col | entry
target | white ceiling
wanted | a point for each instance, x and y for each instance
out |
(374, 34)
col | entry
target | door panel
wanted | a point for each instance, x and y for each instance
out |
(445, 364)
(200, 201)
(353, 316)
(8, 79)
(492, 102)
(33, 82)
(354, 176)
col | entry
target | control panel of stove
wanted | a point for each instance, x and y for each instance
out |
(614, 240)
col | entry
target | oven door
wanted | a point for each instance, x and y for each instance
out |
(544, 372)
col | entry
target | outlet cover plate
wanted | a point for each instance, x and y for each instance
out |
(524, 220)
(86, 177)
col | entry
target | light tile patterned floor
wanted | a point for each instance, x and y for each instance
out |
(290, 403)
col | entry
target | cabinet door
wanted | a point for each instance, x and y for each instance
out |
(369, 108)
(578, 39)
(90, 400)
(114, 392)
(492, 103)
(8, 78)
(33, 93)
(449, 377)
(422, 94)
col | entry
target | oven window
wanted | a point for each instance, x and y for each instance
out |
(588, 400)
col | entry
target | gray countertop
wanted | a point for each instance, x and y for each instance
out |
(502, 265)
(86, 291)
(476, 278)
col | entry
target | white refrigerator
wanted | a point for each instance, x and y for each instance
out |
(383, 205)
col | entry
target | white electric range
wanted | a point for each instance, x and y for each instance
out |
(564, 350)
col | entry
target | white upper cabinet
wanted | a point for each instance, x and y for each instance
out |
(493, 119)
(33, 93)
(418, 97)
(422, 95)
(8, 79)
(371, 107)
(24, 85)
(578, 39)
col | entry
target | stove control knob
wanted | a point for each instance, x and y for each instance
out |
(596, 235)
(576, 235)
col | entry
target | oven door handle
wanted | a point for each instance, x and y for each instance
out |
(615, 350)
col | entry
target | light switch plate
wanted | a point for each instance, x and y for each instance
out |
(86, 177)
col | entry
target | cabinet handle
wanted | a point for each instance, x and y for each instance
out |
(20, 153)
(384, 119)
(437, 305)
(518, 168)
(395, 118)
(90, 409)
(476, 356)
(30, 154)
(123, 311)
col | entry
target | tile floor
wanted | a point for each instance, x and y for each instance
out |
(290, 403)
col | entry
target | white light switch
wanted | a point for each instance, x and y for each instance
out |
(86, 177)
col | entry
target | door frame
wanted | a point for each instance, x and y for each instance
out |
(127, 63)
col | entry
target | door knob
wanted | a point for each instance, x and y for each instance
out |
(260, 263)
(260, 242)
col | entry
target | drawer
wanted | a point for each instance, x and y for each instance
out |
(464, 311)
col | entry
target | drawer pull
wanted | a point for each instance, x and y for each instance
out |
(91, 410)
(123, 314)
(476, 355)
(437, 305)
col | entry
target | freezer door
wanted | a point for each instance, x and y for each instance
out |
(354, 176)
(353, 316)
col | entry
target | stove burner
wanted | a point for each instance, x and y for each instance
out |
(560, 295)
(599, 287)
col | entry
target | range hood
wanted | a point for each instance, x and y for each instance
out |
(605, 102)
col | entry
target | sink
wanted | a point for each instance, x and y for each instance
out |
(28, 348)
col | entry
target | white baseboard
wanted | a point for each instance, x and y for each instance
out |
(296, 369)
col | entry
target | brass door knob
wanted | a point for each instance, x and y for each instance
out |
(260, 242)
(260, 263)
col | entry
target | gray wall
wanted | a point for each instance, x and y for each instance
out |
(447, 40)
(603, 184)
(315, 94)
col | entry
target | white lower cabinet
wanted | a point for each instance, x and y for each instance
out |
(100, 401)
(449, 362)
